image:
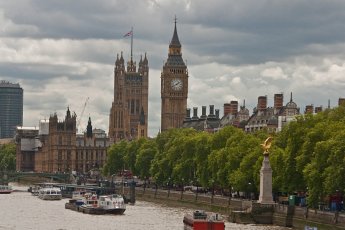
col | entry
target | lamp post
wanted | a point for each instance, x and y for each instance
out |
(212, 182)
(168, 187)
(182, 188)
(249, 190)
(112, 182)
(196, 194)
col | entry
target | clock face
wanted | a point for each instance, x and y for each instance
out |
(176, 84)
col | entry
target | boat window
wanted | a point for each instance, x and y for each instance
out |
(53, 192)
(48, 192)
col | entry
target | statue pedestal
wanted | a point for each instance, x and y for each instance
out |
(266, 182)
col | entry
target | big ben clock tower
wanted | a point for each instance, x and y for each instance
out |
(174, 86)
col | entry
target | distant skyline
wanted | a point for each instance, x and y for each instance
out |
(61, 52)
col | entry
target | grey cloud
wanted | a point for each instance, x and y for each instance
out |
(227, 45)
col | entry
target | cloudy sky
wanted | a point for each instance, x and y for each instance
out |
(62, 52)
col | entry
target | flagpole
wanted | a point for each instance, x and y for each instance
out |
(132, 45)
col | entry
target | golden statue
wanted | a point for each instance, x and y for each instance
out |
(266, 145)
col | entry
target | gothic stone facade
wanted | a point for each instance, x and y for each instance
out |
(129, 111)
(57, 147)
(174, 87)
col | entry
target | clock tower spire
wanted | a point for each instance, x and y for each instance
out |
(174, 86)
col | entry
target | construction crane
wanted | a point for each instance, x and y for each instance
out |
(81, 114)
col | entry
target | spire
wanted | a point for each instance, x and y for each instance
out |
(68, 114)
(89, 128)
(121, 58)
(145, 59)
(175, 42)
(117, 59)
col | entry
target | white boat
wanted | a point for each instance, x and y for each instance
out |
(113, 204)
(50, 194)
(5, 189)
(78, 194)
(90, 200)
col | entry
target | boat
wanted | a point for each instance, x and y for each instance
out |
(200, 220)
(113, 204)
(79, 194)
(5, 189)
(91, 204)
(50, 194)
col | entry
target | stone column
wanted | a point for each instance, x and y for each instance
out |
(266, 182)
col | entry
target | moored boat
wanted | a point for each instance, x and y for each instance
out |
(113, 204)
(5, 189)
(201, 220)
(91, 204)
(50, 194)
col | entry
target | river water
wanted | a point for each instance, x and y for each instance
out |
(20, 210)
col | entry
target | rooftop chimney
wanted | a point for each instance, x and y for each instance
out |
(262, 103)
(187, 115)
(217, 113)
(341, 101)
(203, 113)
(318, 109)
(195, 114)
(309, 109)
(278, 101)
(233, 107)
(211, 115)
(227, 108)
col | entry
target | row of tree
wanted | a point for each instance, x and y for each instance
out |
(8, 157)
(307, 155)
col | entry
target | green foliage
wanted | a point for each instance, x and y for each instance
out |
(146, 153)
(8, 157)
(115, 158)
(307, 155)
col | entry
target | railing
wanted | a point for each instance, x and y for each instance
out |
(6, 177)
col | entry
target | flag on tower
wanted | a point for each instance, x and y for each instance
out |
(130, 33)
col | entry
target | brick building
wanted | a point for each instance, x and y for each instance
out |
(272, 118)
(55, 146)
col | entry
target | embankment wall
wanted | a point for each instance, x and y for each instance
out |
(244, 211)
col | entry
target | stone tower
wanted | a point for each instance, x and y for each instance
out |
(58, 146)
(174, 86)
(130, 96)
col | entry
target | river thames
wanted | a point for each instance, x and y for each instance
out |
(21, 210)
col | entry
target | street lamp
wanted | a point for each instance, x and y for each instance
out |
(182, 188)
(249, 190)
(169, 187)
(112, 182)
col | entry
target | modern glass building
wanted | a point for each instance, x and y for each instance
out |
(11, 108)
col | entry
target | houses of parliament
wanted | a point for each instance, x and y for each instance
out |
(129, 110)
(55, 145)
